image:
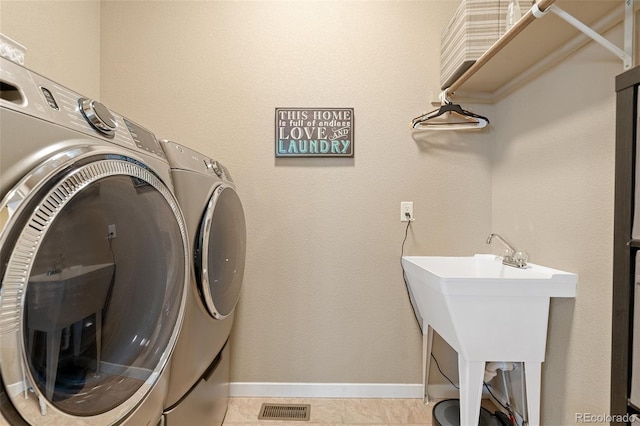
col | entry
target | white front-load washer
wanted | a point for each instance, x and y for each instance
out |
(199, 380)
(93, 260)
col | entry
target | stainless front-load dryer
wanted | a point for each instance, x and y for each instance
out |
(93, 260)
(199, 381)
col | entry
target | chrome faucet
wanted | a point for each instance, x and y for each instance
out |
(57, 265)
(511, 257)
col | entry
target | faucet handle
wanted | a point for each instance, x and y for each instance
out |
(521, 258)
(507, 253)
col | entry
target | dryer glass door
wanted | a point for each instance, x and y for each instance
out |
(220, 252)
(104, 253)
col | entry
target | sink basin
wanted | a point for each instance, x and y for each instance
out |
(484, 274)
(81, 289)
(486, 311)
(478, 305)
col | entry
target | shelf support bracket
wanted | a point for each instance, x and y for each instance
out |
(629, 30)
(625, 55)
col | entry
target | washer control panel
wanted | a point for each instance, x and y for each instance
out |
(40, 97)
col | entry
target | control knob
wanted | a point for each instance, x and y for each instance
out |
(213, 165)
(98, 116)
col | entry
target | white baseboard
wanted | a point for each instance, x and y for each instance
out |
(340, 390)
(446, 391)
(443, 391)
(15, 388)
(325, 390)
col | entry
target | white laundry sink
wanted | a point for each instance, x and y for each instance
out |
(81, 289)
(484, 274)
(486, 311)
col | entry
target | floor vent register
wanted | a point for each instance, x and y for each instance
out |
(299, 412)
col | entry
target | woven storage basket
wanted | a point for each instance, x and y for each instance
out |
(473, 29)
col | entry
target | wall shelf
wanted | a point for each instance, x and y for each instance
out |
(531, 46)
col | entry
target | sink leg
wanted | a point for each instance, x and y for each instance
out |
(471, 375)
(77, 337)
(427, 345)
(533, 377)
(53, 353)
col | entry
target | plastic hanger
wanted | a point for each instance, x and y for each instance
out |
(465, 119)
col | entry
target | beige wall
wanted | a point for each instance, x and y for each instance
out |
(553, 179)
(62, 39)
(323, 299)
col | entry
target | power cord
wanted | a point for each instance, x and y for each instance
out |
(512, 416)
(107, 301)
(404, 275)
(441, 372)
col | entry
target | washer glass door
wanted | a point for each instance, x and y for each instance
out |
(104, 253)
(220, 252)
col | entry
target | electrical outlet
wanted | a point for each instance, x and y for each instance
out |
(111, 231)
(406, 208)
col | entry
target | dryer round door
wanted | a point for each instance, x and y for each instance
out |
(220, 252)
(94, 274)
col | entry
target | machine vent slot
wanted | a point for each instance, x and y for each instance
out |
(298, 412)
(9, 92)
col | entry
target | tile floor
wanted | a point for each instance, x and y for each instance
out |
(329, 411)
(324, 411)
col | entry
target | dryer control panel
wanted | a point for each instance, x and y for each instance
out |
(30, 93)
(184, 158)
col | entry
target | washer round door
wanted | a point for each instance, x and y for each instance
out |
(220, 252)
(94, 276)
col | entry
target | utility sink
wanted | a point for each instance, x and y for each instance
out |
(486, 311)
(484, 274)
(82, 290)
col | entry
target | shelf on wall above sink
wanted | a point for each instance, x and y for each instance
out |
(532, 46)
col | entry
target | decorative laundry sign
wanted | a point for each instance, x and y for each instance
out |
(314, 132)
